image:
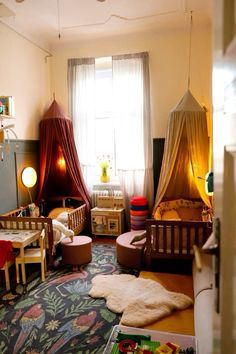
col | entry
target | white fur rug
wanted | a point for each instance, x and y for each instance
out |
(142, 301)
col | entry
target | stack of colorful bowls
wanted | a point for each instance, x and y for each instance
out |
(138, 213)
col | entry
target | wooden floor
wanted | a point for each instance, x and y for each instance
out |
(104, 239)
(181, 322)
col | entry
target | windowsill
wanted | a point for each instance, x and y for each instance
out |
(112, 184)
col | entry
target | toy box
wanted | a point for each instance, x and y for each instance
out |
(187, 344)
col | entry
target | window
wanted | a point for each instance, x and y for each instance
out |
(110, 107)
(104, 125)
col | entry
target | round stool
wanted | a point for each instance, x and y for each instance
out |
(78, 251)
(130, 255)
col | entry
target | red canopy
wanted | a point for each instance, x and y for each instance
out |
(60, 172)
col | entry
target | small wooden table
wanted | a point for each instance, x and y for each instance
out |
(20, 239)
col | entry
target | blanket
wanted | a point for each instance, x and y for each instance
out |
(141, 301)
(60, 231)
(5, 252)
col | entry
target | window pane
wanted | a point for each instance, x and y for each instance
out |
(105, 141)
(103, 92)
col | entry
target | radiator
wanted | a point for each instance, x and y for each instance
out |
(105, 190)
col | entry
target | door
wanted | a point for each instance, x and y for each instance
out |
(224, 163)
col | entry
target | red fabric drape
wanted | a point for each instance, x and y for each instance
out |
(57, 139)
(5, 252)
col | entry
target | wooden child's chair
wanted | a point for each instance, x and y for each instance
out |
(33, 255)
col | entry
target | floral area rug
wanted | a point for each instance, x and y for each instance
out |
(58, 315)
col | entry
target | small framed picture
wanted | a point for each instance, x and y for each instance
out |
(7, 106)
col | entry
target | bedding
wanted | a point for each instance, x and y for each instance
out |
(179, 209)
(60, 231)
(63, 217)
(60, 214)
(171, 215)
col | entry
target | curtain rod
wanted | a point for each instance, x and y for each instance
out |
(27, 39)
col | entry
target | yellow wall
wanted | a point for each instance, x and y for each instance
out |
(168, 58)
(25, 75)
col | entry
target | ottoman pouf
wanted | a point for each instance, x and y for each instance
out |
(78, 251)
(130, 255)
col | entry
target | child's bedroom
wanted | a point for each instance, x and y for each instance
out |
(109, 213)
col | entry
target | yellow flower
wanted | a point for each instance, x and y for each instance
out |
(104, 161)
(104, 164)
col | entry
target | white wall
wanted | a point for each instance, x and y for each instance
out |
(168, 58)
(25, 75)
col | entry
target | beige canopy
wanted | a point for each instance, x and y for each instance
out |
(186, 154)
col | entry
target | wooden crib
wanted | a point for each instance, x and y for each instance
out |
(74, 211)
(73, 208)
(174, 239)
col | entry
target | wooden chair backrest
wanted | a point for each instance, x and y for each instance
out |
(28, 223)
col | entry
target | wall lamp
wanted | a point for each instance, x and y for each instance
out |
(29, 179)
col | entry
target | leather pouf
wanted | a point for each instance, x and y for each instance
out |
(78, 251)
(130, 255)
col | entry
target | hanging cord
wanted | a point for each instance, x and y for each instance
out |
(59, 19)
(119, 17)
(190, 45)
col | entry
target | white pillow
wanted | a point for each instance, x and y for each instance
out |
(63, 217)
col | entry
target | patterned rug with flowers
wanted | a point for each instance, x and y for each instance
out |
(58, 315)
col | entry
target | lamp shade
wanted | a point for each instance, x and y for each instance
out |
(29, 177)
(209, 183)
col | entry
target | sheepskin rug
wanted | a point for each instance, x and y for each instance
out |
(142, 301)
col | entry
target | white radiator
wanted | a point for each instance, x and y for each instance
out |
(105, 190)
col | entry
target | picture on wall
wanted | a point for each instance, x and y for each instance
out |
(7, 106)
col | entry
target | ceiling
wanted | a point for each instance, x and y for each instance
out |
(50, 23)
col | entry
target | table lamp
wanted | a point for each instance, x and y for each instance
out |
(29, 179)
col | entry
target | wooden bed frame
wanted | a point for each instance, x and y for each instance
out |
(174, 239)
(20, 219)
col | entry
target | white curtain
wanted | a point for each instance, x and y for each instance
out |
(131, 95)
(81, 87)
(131, 109)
